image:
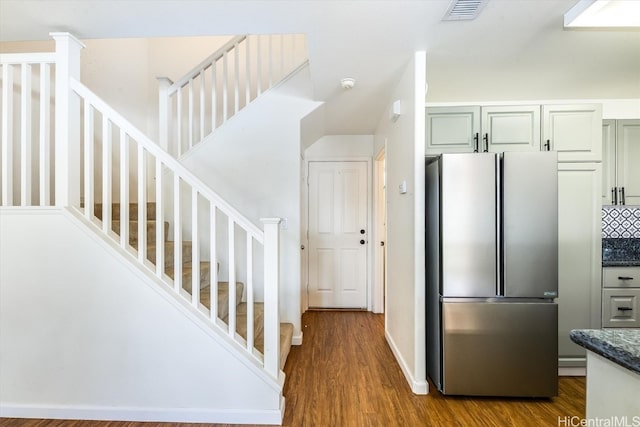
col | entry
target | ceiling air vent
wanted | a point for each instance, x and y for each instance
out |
(464, 10)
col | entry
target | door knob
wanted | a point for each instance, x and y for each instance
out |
(362, 231)
(362, 242)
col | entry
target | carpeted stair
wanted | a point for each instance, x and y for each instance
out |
(286, 329)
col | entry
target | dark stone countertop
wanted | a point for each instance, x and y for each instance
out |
(621, 346)
(620, 252)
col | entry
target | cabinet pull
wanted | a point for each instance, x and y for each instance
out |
(622, 201)
(486, 142)
(625, 309)
(547, 145)
(475, 139)
(625, 278)
(615, 196)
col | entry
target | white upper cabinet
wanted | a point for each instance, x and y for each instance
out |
(493, 129)
(510, 128)
(452, 129)
(628, 161)
(574, 131)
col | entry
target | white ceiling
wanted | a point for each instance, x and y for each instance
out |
(515, 49)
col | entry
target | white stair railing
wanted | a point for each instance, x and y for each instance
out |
(102, 159)
(223, 84)
(27, 129)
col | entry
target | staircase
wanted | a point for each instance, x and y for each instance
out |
(241, 310)
(71, 152)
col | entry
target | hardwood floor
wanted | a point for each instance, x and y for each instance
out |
(345, 375)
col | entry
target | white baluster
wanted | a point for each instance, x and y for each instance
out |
(89, 169)
(124, 190)
(177, 235)
(250, 299)
(258, 66)
(25, 136)
(190, 117)
(271, 296)
(45, 134)
(107, 174)
(247, 74)
(232, 277)
(7, 135)
(159, 220)
(195, 250)
(142, 204)
(213, 260)
(214, 97)
(164, 112)
(270, 59)
(236, 79)
(225, 82)
(202, 99)
(178, 122)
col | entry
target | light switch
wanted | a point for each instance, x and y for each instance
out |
(402, 188)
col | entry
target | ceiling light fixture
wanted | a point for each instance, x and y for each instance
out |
(603, 13)
(347, 83)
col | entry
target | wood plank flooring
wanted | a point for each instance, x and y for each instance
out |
(345, 375)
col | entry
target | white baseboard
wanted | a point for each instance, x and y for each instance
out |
(572, 372)
(181, 415)
(297, 339)
(417, 387)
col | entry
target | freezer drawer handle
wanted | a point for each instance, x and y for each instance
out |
(625, 278)
(625, 308)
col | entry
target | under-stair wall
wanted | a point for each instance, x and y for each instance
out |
(86, 334)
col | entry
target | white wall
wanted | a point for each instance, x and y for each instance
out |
(341, 146)
(88, 335)
(253, 162)
(405, 302)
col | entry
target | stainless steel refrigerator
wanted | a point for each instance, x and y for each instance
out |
(492, 273)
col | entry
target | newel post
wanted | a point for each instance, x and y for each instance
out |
(67, 121)
(164, 112)
(272, 295)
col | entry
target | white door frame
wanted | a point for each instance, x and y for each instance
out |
(305, 225)
(379, 234)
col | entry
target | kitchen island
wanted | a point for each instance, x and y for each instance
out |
(613, 372)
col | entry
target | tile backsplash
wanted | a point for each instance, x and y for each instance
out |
(621, 222)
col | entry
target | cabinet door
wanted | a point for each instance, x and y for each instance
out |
(574, 131)
(452, 129)
(608, 161)
(579, 255)
(628, 160)
(510, 128)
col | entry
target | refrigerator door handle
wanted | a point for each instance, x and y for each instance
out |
(499, 191)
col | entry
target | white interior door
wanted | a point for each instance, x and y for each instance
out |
(338, 235)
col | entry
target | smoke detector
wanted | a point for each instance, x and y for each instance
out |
(347, 83)
(464, 10)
